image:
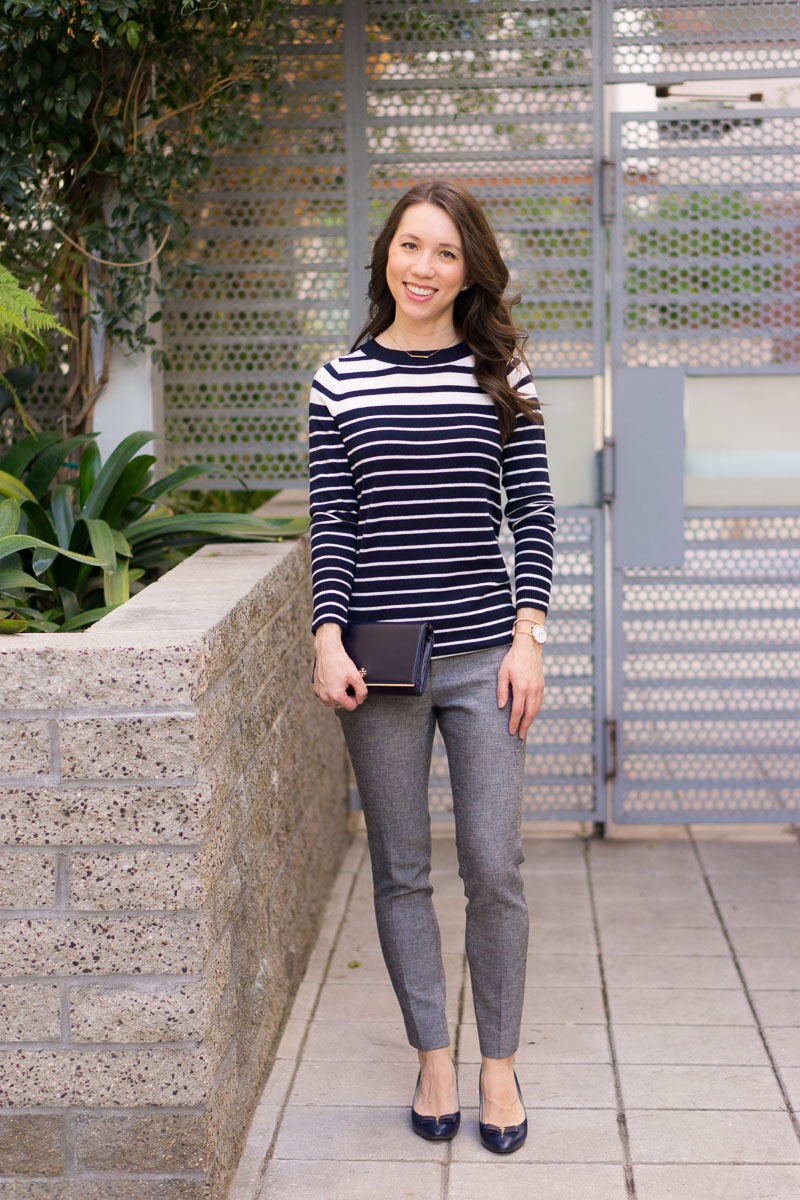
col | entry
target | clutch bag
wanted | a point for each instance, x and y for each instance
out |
(392, 657)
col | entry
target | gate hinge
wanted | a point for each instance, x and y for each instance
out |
(610, 749)
(606, 467)
(607, 190)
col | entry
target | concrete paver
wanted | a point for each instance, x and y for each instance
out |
(718, 1182)
(660, 1036)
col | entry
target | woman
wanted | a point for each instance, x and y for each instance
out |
(410, 436)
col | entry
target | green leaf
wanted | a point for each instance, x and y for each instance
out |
(69, 602)
(86, 618)
(102, 542)
(61, 512)
(130, 481)
(9, 516)
(10, 486)
(116, 589)
(243, 525)
(111, 471)
(175, 479)
(20, 541)
(10, 577)
(13, 625)
(51, 460)
(90, 465)
(132, 35)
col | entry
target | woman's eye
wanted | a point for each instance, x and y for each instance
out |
(449, 253)
(409, 245)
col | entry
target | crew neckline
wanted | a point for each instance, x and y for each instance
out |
(374, 349)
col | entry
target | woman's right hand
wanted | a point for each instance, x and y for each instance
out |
(335, 670)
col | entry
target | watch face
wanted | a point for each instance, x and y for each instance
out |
(539, 634)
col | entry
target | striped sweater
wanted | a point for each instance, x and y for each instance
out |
(405, 475)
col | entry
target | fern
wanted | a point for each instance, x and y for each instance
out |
(22, 320)
(21, 314)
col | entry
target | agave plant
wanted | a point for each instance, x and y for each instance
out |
(102, 530)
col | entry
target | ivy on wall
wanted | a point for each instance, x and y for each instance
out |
(109, 115)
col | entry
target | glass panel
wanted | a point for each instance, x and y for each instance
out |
(742, 440)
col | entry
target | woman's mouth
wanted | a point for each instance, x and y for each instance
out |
(419, 291)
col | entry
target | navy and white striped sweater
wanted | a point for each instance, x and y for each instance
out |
(405, 474)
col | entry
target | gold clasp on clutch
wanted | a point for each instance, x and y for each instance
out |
(362, 671)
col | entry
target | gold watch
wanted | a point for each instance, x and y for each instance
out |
(537, 630)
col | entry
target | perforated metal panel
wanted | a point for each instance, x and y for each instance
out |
(705, 267)
(272, 226)
(377, 95)
(563, 779)
(501, 98)
(707, 675)
(657, 41)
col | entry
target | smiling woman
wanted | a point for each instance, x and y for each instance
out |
(412, 436)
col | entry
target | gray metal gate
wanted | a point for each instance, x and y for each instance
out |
(705, 288)
(510, 99)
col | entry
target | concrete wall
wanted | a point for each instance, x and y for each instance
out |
(173, 810)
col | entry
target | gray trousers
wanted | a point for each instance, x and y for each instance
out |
(389, 739)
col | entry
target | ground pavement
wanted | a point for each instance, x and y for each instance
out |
(660, 1050)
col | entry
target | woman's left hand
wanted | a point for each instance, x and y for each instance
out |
(522, 669)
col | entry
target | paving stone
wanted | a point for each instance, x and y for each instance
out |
(720, 858)
(523, 1181)
(556, 937)
(766, 943)
(547, 1043)
(555, 1135)
(737, 1045)
(372, 1132)
(676, 971)
(555, 1004)
(360, 1041)
(744, 889)
(634, 888)
(643, 937)
(287, 1180)
(676, 1136)
(716, 1182)
(693, 1086)
(777, 1008)
(771, 974)
(784, 1044)
(552, 1085)
(577, 970)
(743, 913)
(657, 910)
(372, 968)
(353, 1084)
(791, 1081)
(679, 1006)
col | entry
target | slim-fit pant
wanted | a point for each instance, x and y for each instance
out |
(389, 738)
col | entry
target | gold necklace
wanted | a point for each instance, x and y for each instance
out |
(418, 353)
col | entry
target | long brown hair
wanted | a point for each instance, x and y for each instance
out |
(481, 314)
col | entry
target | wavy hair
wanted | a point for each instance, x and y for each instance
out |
(481, 314)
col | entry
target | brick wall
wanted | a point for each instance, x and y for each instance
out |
(173, 810)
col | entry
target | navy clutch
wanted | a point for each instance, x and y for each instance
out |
(392, 657)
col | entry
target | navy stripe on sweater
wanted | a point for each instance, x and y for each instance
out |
(405, 479)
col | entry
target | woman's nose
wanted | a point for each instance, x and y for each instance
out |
(423, 266)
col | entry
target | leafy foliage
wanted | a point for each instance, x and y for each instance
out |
(22, 321)
(91, 541)
(109, 114)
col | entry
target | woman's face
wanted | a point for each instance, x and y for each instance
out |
(425, 269)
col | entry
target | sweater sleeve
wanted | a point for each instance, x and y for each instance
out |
(530, 508)
(333, 508)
